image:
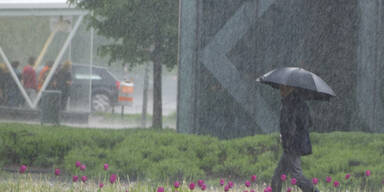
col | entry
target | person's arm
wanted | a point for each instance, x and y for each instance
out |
(291, 126)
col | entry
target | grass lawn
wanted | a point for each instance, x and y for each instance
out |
(169, 121)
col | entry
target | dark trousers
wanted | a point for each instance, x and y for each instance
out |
(64, 101)
(291, 164)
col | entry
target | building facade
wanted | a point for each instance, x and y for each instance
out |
(226, 44)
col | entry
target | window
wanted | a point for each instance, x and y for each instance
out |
(87, 77)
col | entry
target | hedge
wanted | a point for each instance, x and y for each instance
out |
(166, 155)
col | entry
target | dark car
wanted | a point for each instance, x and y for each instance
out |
(105, 88)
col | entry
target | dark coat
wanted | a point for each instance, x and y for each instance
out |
(62, 79)
(295, 121)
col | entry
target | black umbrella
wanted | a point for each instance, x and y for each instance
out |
(307, 83)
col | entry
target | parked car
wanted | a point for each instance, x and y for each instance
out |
(105, 88)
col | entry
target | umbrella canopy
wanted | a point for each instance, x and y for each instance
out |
(307, 83)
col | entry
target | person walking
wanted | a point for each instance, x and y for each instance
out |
(14, 94)
(19, 96)
(63, 83)
(295, 121)
(296, 85)
(29, 79)
(3, 84)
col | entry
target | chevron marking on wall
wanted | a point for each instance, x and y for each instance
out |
(214, 58)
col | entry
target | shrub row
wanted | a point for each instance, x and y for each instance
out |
(167, 155)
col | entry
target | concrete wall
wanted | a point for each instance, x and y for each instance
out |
(226, 44)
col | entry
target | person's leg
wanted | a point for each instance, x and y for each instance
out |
(63, 104)
(296, 172)
(12, 97)
(280, 169)
(20, 99)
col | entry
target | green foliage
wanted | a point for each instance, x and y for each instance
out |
(339, 153)
(159, 155)
(142, 31)
(93, 157)
(135, 27)
(240, 158)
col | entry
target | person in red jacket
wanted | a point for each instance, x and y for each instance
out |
(28, 77)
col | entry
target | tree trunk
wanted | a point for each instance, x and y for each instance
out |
(157, 104)
(157, 119)
(145, 97)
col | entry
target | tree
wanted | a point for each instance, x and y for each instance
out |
(142, 31)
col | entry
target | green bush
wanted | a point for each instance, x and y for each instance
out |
(339, 153)
(93, 157)
(166, 155)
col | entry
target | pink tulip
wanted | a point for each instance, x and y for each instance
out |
(336, 184)
(57, 171)
(247, 183)
(192, 186)
(222, 182)
(245, 191)
(200, 182)
(101, 185)
(283, 177)
(268, 189)
(176, 184)
(293, 181)
(315, 181)
(82, 167)
(22, 169)
(78, 164)
(347, 176)
(106, 166)
(112, 178)
(253, 178)
(230, 184)
(226, 188)
(252, 190)
(367, 173)
(160, 189)
(328, 179)
(84, 178)
(289, 189)
(75, 178)
(203, 187)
